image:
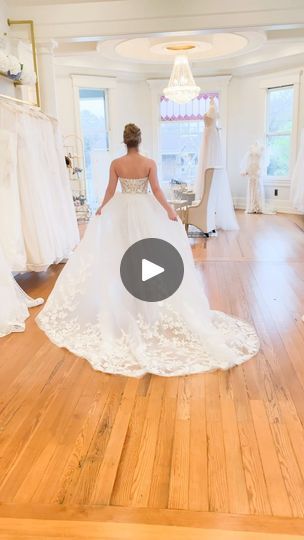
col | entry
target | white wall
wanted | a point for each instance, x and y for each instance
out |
(131, 101)
(65, 104)
(3, 17)
(246, 124)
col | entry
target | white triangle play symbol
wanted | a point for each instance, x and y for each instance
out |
(150, 269)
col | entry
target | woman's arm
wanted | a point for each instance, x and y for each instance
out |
(110, 188)
(159, 194)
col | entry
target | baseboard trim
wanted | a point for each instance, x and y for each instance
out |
(273, 205)
(154, 516)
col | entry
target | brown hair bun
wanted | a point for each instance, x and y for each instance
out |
(132, 136)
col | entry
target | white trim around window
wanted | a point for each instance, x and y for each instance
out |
(93, 81)
(290, 78)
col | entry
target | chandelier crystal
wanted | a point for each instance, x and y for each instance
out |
(181, 87)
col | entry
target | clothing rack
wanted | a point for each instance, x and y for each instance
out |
(21, 101)
(28, 105)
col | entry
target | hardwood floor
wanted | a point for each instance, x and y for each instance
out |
(217, 455)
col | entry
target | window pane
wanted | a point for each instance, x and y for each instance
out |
(179, 143)
(280, 109)
(278, 147)
(181, 129)
(95, 137)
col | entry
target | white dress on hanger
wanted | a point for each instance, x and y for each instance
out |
(211, 157)
(10, 210)
(297, 179)
(91, 313)
(14, 302)
(35, 194)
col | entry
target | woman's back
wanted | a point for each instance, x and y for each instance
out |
(132, 165)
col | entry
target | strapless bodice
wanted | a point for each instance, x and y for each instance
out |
(134, 185)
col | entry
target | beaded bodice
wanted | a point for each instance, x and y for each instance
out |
(134, 185)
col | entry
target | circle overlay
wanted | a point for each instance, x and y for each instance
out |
(160, 253)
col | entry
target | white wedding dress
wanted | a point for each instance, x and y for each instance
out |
(211, 157)
(91, 313)
(297, 179)
(14, 302)
(36, 204)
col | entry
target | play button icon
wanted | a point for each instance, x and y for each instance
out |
(151, 269)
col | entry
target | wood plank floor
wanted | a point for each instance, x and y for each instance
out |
(223, 450)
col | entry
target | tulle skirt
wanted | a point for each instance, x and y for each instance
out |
(92, 314)
(14, 302)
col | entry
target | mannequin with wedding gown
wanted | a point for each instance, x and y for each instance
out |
(297, 179)
(210, 157)
(251, 167)
(14, 302)
(91, 313)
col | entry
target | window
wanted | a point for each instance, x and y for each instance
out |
(181, 128)
(279, 130)
(93, 120)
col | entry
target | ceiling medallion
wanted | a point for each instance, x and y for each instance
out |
(181, 87)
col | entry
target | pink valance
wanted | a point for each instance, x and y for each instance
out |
(194, 110)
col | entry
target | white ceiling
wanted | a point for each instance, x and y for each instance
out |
(261, 52)
(130, 36)
(204, 47)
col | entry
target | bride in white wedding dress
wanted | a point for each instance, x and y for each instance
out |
(91, 313)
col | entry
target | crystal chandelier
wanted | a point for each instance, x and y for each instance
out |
(181, 87)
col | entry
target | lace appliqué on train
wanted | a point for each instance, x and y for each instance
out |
(166, 347)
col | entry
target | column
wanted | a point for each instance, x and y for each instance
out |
(46, 73)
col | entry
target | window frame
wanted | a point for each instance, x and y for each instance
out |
(161, 122)
(106, 105)
(106, 84)
(284, 78)
(217, 84)
(290, 133)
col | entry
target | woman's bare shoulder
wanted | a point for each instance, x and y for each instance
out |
(150, 162)
(116, 161)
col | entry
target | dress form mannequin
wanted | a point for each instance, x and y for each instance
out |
(252, 168)
(211, 157)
